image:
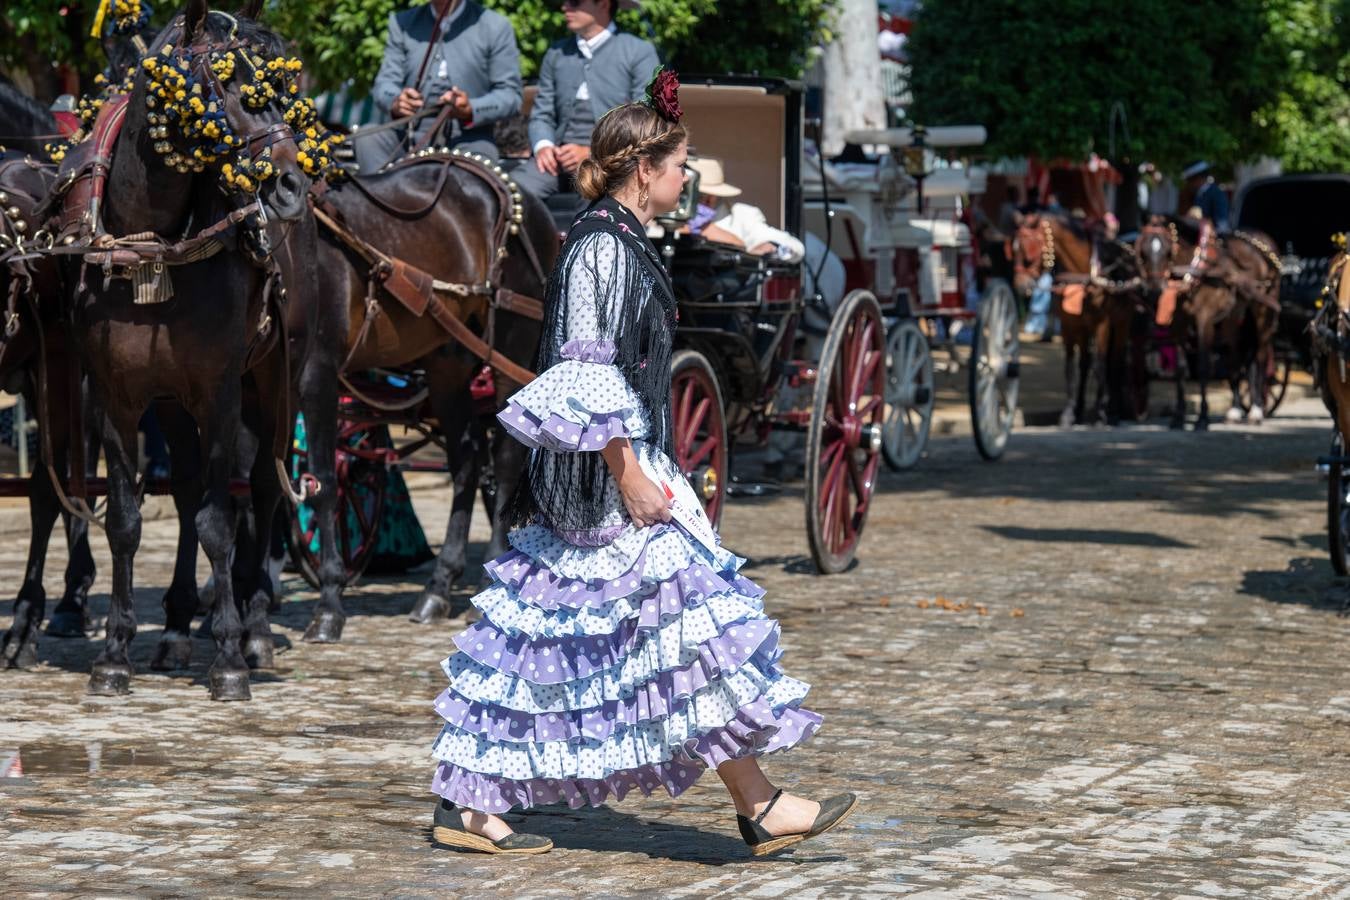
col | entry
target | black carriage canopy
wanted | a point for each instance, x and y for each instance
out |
(1301, 212)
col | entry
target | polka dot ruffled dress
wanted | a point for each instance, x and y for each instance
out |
(616, 660)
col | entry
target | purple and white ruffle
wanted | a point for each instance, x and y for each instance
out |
(581, 404)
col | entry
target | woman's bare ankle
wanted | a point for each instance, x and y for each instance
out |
(485, 825)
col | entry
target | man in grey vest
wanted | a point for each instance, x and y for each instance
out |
(581, 78)
(472, 65)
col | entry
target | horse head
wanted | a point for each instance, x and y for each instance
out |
(220, 96)
(1156, 249)
(1033, 252)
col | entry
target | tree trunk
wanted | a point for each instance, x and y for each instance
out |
(852, 65)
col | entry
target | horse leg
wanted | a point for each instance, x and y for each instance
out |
(1263, 356)
(1100, 348)
(18, 647)
(1179, 376)
(1204, 329)
(216, 525)
(112, 670)
(185, 485)
(70, 618)
(1084, 369)
(508, 463)
(453, 408)
(252, 554)
(318, 403)
(1067, 417)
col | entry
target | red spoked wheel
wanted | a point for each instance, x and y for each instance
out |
(362, 481)
(1277, 369)
(843, 448)
(700, 426)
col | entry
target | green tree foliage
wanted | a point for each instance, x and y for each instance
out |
(1228, 80)
(343, 40)
(36, 35)
(1312, 113)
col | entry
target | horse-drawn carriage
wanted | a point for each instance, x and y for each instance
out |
(1300, 213)
(737, 344)
(917, 258)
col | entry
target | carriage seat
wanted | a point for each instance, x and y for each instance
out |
(564, 208)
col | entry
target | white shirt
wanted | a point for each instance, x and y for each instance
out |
(587, 48)
(446, 23)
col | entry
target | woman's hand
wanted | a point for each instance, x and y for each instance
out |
(646, 503)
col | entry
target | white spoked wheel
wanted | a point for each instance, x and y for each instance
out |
(909, 395)
(994, 370)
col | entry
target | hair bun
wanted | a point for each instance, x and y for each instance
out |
(591, 181)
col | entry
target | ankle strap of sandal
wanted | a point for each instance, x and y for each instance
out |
(760, 818)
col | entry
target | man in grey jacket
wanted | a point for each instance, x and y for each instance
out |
(581, 78)
(473, 68)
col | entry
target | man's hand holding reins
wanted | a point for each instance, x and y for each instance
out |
(406, 103)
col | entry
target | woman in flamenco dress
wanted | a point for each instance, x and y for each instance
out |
(619, 648)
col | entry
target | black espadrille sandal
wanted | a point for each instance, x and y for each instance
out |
(448, 829)
(832, 811)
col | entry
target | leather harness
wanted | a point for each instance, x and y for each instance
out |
(448, 304)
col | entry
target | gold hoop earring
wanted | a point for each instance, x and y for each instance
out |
(643, 197)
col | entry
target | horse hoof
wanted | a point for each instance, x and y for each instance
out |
(229, 684)
(1233, 416)
(258, 652)
(1202, 424)
(1257, 416)
(174, 653)
(110, 680)
(18, 654)
(66, 623)
(430, 608)
(325, 628)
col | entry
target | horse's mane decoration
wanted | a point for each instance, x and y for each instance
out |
(128, 17)
(181, 107)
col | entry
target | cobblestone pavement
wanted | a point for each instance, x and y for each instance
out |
(1109, 665)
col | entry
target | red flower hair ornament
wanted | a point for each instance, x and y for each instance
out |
(663, 95)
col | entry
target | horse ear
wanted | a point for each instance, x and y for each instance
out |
(194, 19)
(252, 10)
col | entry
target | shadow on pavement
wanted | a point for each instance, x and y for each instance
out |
(1307, 580)
(603, 829)
(1087, 536)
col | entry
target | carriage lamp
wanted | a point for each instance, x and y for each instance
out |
(914, 157)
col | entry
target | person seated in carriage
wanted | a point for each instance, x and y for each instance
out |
(743, 225)
(452, 52)
(580, 78)
(1207, 198)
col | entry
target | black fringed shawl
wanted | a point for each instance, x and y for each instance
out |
(635, 308)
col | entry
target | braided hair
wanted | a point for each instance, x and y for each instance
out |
(623, 138)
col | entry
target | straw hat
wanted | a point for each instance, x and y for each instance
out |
(711, 181)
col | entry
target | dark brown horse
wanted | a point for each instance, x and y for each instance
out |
(449, 216)
(195, 346)
(1103, 275)
(1224, 291)
(25, 276)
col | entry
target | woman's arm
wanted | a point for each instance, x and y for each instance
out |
(645, 501)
